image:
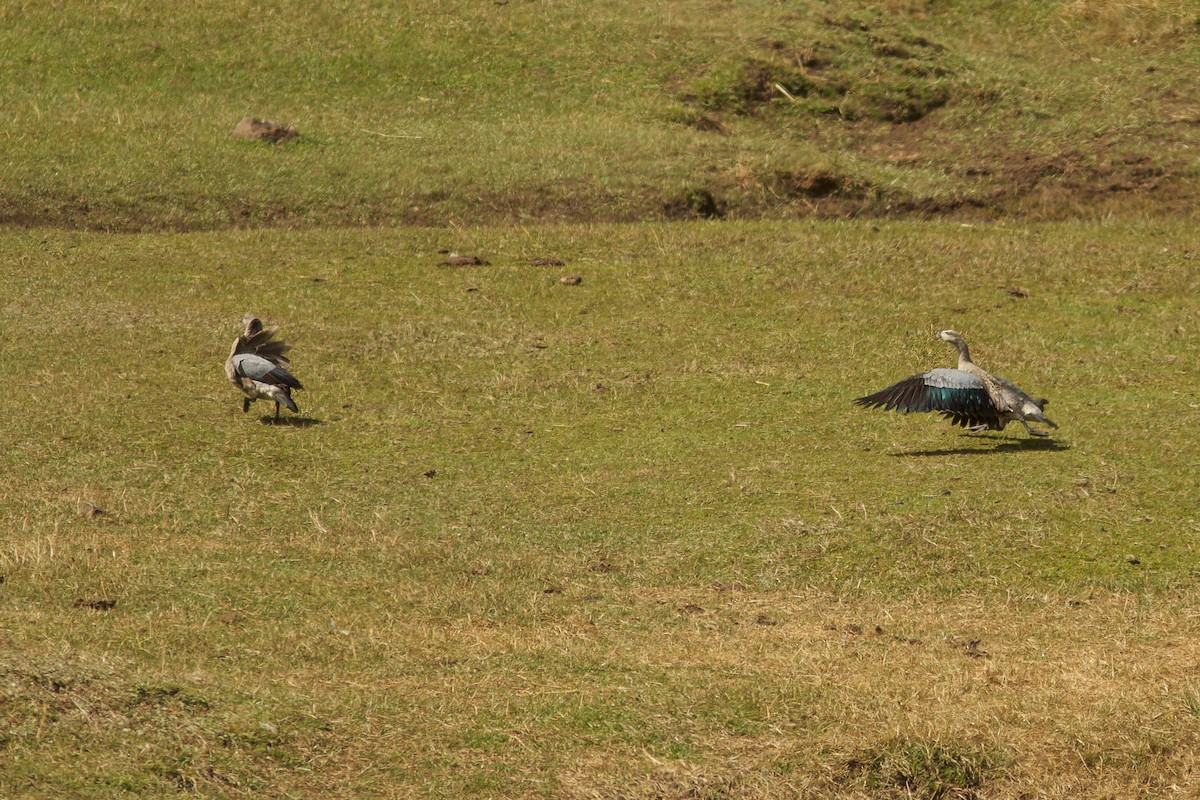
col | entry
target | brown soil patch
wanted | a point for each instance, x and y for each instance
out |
(694, 204)
(814, 184)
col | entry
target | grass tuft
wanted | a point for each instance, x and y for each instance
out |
(927, 769)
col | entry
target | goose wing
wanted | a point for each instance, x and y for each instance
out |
(960, 397)
(261, 342)
(263, 370)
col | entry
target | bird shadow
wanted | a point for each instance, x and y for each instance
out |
(292, 422)
(1005, 446)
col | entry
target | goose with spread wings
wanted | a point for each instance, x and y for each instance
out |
(967, 396)
(258, 365)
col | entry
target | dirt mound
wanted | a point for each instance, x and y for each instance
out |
(847, 67)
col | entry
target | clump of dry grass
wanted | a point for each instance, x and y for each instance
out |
(927, 769)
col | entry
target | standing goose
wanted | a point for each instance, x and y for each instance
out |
(967, 396)
(257, 365)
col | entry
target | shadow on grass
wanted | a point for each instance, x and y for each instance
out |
(1006, 446)
(292, 422)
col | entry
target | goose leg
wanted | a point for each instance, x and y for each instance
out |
(277, 412)
(1032, 432)
(246, 405)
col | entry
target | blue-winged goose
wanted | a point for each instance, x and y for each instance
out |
(967, 396)
(257, 365)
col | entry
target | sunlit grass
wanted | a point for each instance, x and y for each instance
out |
(120, 119)
(549, 540)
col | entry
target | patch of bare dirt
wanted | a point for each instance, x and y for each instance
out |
(456, 260)
(1075, 183)
(694, 204)
(815, 183)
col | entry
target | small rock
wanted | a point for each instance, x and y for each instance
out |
(89, 510)
(264, 130)
(231, 618)
(692, 608)
(430, 473)
(1133, 560)
(601, 565)
(547, 262)
(481, 570)
(571, 280)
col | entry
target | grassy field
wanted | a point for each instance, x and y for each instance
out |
(117, 117)
(626, 538)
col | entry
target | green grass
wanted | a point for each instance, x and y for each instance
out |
(712, 366)
(550, 540)
(118, 117)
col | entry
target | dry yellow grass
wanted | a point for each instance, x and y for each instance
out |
(1085, 698)
(1040, 697)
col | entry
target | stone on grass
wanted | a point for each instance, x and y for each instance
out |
(90, 510)
(264, 130)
